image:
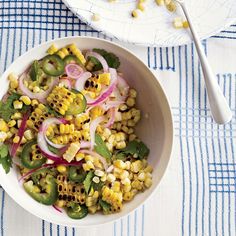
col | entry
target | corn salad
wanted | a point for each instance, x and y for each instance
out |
(69, 121)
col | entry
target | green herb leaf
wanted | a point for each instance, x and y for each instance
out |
(5, 159)
(88, 181)
(111, 59)
(53, 112)
(134, 148)
(34, 70)
(97, 187)
(6, 108)
(101, 147)
(105, 206)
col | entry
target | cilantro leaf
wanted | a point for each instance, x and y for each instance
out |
(111, 59)
(5, 158)
(6, 108)
(101, 147)
(97, 186)
(134, 148)
(105, 206)
(88, 181)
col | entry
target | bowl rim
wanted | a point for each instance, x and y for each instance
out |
(171, 136)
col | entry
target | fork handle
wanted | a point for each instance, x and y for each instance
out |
(219, 107)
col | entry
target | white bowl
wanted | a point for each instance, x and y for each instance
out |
(155, 128)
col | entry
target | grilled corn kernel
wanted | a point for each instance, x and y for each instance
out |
(17, 104)
(3, 126)
(62, 169)
(26, 100)
(103, 178)
(16, 139)
(121, 145)
(116, 186)
(79, 156)
(136, 184)
(104, 78)
(148, 169)
(128, 196)
(53, 49)
(34, 102)
(136, 166)
(16, 116)
(73, 48)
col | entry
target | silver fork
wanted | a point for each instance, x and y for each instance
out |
(219, 107)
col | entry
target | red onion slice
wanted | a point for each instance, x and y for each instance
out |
(80, 82)
(57, 208)
(123, 86)
(20, 134)
(93, 126)
(110, 104)
(73, 70)
(111, 120)
(99, 58)
(41, 140)
(40, 96)
(101, 158)
(66, 82)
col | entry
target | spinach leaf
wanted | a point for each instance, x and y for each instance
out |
(134, 148)
(88, 181)
(5, 159)
(101, 147)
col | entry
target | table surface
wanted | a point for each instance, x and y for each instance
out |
(198, 193)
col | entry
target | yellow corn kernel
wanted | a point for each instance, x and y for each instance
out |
(3, 126)
(11, 123)
(62, 169)
(132, 137)
(36, 89)
(13, 130)
(17, 104)
(96, 179)
(16, 139)
(111, 178)
(140, 6)
(60, 203)
(79, 156)
(126, 181)
(34, 102)
(124, 174)
(16, 116)
(160, 2)
(104, 78)
(128, 196)
(14, 84)
(142, 176)
(116, 186)
(134, 13)
(53, 49)
(103, 178)
(70, 153)
(126, 188)
(26, 100)
(73, 48)
(130, 102)
(148, 169)
(136, 184)
(99, 173)
(148, 182)
(178, 23)
(119, 164)
(9, 135)
(3, 136)
(12, 76)
(28, 134)
(171, 6)
(185, 24)
(120, 145)
(136, 166)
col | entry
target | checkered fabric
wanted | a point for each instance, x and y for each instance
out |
(198, 193)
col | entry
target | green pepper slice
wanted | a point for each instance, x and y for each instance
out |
(53, 65)
(77, 174)
(46, 193)
(77, 211)
(26, 157)
(34, 71)
(39, 174)
(79, 104)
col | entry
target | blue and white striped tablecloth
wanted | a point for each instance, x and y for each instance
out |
(198, 194)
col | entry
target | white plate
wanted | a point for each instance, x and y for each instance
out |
(154, 26)
(156, 130)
